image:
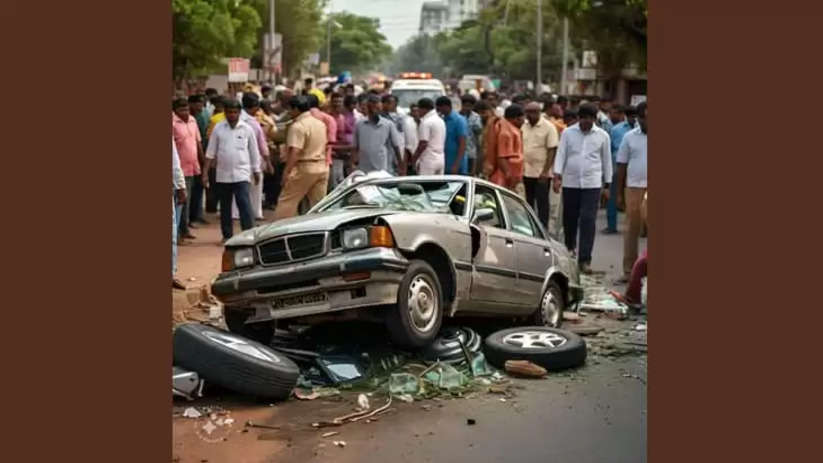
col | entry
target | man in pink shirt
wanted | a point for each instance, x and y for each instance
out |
(190, 149)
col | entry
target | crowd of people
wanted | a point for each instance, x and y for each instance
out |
(284, 150)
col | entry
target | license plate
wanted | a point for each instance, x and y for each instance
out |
(297, 301)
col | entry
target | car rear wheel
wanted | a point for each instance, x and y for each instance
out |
(262, 332)
(416, 320)
(552, 305)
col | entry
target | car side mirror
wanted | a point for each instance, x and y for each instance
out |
(483, 214)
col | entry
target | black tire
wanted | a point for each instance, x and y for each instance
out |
(259, 371)
(399, 321)
(569, 354)
(262, 332)
(542, 316)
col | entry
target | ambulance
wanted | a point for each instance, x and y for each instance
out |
(410, 87)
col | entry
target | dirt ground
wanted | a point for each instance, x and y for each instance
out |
(596, 413)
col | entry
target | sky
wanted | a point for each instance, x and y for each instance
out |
(399, 19)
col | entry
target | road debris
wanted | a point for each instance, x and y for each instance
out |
(524, 368)
(363, 402)
(586, 330)
(340, 443)
(403, 383)
(252, 424)
(641, 327)
(329, 434)
(353, 417)
(192, 412)
(471, 421)
(315, 393)
(637, 377)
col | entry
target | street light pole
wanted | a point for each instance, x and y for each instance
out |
(538, 84)
(565, 56)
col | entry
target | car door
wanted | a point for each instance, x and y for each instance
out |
(494, 274)
(532, 250)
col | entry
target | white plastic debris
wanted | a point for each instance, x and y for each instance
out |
(406, 398)
(641, 327)
(340, 443)
(192, 412)
(363, 402)
(330, 433)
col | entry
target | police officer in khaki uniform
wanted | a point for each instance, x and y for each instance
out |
(306, 173)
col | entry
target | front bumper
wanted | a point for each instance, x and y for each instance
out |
(319, 283)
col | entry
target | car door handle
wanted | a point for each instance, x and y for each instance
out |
(509, 243)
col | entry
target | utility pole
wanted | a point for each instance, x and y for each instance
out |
(565, 56)
(328, 38)
(271, 38)
(538, 87)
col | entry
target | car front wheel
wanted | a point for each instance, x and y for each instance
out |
(416, 320)
(552, 304)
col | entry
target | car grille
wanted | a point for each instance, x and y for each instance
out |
(292, 248)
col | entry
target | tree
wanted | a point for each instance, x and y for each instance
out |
(356, 43)
(299, 22)
(615, 29)
(418, 54)
(206, 31)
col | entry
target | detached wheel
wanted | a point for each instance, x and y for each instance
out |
(552, 305)
(551, 348)
(262, 332)
(234, 362)
(416, 320)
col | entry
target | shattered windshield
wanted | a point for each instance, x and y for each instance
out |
(434, 196)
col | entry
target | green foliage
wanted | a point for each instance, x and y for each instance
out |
(501, 41)
(419, 54)
(615, 29)
(205, 31)
(299, 21)
(356, 45)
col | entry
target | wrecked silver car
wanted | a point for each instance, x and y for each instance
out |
(407, 250)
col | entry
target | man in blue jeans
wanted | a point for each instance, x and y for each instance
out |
(583, 167)
(234, 147)
(619, 128)
(178, 184)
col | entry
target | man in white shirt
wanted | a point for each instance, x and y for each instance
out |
(632, 183)
(233, 146)
(178, 184)
(583, 166)
(429, 157)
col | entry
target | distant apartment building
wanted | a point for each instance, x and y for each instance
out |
(445, 15)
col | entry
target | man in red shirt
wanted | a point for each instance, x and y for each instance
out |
(509, 165)
(190, 148)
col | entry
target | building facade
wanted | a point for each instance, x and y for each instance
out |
(446, 15)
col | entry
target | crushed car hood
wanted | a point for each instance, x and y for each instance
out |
(323, 221)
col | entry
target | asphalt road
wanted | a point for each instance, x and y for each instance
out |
(596, 413)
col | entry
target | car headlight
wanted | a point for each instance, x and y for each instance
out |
(355, 238)
(237, 258)
(358, 238)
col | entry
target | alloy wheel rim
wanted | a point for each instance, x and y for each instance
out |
(529, 339)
